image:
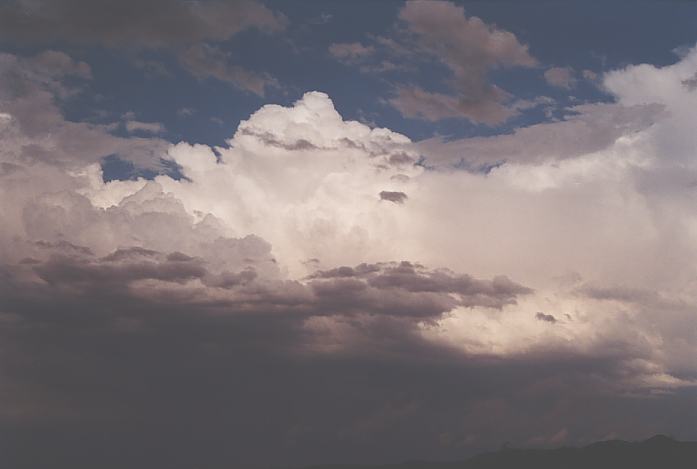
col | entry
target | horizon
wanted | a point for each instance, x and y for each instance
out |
(628, 453)
(506, 448)
(260, 233)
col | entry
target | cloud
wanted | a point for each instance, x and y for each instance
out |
(438, 34)
(132, 312)
(442, 26)
(586, 129)
(35, 129)
(152, 68)
(589, 75)
(112, 271)
(393, 196)
(407, 287)
(690, 83)
(561, 77)
(350, 52)
(470, 49)
(413, 101)
(221, 373)
(545, 317)
(133, 126)
(185, 112)
(204, 61)
(137, 24)
(52, 63)
(186, 29)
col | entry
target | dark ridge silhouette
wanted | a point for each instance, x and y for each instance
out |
(658, 452)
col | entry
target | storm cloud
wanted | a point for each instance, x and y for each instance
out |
(317, 289)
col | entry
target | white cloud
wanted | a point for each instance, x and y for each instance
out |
(586, 129)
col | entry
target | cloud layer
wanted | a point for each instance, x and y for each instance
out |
(317, 285)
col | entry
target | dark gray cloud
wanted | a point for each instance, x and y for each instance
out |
(691, 83)
(133, 23)
(416, 102)
(64, 247)
(135, 382)
(182, 27)
(204, 60)
(402, 158)
(441, 32)
(393, 196)
(470, 49)
(404, 288)
(119, 268)
(269, 139)
(545, 317)
(617, 293)
(399, 290)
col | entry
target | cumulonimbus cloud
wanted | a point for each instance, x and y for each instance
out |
(274, 263)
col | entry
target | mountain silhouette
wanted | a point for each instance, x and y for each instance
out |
(658, 452)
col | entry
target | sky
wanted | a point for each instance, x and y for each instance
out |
(245, 234)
